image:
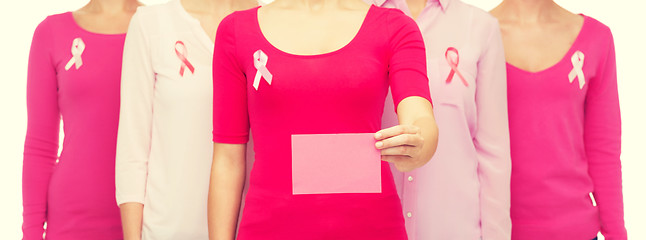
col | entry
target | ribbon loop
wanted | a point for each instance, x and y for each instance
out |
(577, 68)
(180, 50)
(453, 59)
(260, 63)
(78, 46)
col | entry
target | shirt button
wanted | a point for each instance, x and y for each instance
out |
(410, 178)
(409, 214)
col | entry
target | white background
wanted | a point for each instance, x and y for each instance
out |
(19, 18)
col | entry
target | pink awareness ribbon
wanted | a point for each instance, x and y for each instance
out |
(577, 68)
(453, 59)
(78, 46)
(181, 54)
(260, 63)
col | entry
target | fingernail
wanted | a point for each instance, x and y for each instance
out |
(379, 144)
(378, 135)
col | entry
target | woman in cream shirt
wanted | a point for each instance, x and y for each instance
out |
(164, 144)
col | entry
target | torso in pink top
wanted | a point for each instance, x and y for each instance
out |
(73, 74)
(565, 143)
(462, 193)
(338, 92)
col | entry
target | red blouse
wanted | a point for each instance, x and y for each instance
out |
(337, 92)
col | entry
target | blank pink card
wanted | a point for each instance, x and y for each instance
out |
(335, 163)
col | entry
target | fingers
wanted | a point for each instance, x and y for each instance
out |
(400, 140)
(400, 145)
(405, 151)
(396, 130)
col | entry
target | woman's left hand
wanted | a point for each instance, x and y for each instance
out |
(401, 145)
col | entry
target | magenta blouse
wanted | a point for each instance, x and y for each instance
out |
(342, 91)
(74, 75)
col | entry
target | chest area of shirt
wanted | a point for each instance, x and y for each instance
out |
(453, 71)
(182, 66)
(562, 83)
(88, 66)
(182, 55)
(347, 76)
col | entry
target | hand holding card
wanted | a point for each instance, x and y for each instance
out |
(402, 145)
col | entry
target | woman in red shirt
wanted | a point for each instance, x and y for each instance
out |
(314, 67)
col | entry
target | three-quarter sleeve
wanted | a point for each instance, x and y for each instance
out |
(407, 63)
(491, 138)
(602, 140)
(43, 124)
(135, 116)
(230, 115)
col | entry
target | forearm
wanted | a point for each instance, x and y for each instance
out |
(491, 139)
(225, 191)
(131, 219)
(35, 182)
(494, 175)
(429, 132)
(418, 112)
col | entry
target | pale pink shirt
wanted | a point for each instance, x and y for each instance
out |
(463, 192)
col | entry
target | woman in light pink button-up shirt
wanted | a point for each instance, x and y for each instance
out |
(463, 192)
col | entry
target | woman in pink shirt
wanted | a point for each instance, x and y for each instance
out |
(564, 122)
(314, 67)
(74, 74)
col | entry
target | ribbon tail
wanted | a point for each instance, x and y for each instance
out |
(572, 75)
(69, 64)
(256, 80)
(462, 78)
(78, 62)
(190, 67)
(266, 74)
(581, 80)
(450, 77)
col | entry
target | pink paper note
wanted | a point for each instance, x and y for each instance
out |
(335, 163)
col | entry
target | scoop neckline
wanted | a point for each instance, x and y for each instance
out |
(569, 52)
(76, 25)
(333, 52)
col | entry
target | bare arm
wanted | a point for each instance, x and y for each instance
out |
(132, 216)
(412, 143)
(225, 189)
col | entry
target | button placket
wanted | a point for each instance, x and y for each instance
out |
(409, 197)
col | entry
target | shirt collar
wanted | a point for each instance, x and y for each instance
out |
(443, 3)
(380, 3)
